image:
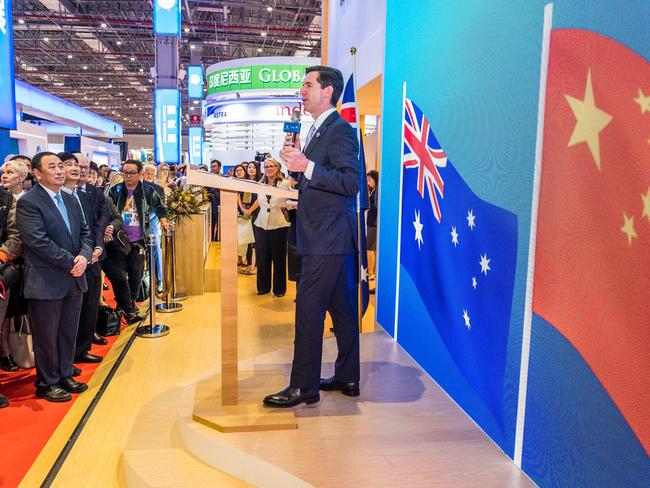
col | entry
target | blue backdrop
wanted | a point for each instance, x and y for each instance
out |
(473, 69)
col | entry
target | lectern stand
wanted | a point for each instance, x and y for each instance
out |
(230, 415)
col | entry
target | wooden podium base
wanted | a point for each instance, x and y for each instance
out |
(248, 415)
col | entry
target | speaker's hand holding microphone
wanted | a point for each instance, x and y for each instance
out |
(291, 154)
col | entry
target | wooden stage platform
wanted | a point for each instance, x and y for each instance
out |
(402, 431)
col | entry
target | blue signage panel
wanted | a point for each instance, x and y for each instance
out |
(7, 90)
(195, 81)
(195, 141)
(167, 17)
(167, 110)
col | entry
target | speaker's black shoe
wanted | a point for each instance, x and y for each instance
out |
(279, 295)
(331, 384)
(262, 292)
(292, 396)
(53, 394)
(73, 386)
(99, 340)
(88, 358)
(76, 371)
(3, 401)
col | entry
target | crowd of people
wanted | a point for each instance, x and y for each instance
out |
(64, 222)
(266, 236)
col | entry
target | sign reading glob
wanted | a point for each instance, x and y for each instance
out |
(7, 90)
(256, 77)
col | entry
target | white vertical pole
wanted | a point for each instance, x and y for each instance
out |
(528, 311)
(399, 216)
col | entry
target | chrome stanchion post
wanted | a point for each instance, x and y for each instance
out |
(176, 297)
(153, 329)
(168, 274)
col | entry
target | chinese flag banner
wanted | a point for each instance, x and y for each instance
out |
(592, 269)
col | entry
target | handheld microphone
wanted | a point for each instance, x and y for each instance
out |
(293, 127)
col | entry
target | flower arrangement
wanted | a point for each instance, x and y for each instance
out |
(183, 202)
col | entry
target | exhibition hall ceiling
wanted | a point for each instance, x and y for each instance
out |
(98, 54)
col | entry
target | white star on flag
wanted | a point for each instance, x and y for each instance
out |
(418, 229)
(470, 219)
(474, 282)
(454, 236)
(485, 264)
(466, 317)
(364, 274)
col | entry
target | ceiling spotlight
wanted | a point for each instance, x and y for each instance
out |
(69, 56)
(141, 70)
(195, 102)
(132, 58)
(101, 78)
(103, 108)
(191, 46)
(96, 103)
(121, 93)
(104, 25)
(85, 98)
(269, 9)
(259, 49)
(46, 39)
(85, 67)
(187, 30)
(21, 21)
(74, 92)
(119, 43)
(263, 34)
(128, 99)
(23, 65)
(110, 86)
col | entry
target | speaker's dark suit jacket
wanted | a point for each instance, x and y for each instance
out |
(53, 294)
(49, 248)
(326, 236)
(326, 219)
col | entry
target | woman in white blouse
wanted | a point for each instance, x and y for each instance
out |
(271, 227)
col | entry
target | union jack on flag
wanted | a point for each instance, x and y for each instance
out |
(422, 151)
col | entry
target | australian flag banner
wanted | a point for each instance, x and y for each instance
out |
(460, 252)
(349, 113)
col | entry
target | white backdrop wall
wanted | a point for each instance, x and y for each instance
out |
(362, 24)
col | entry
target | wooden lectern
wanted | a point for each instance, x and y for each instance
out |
(231, 416)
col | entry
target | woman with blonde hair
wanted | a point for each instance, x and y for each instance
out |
(271, 229)
(14, 172)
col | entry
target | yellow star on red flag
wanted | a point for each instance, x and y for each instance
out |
(628, 228)
(643, 101)
(590, 121)
(646, 205)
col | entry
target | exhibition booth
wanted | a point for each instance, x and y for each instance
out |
(248, 101)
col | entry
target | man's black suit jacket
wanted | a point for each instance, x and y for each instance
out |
(48, 246)
(326, 217)
(95, 208)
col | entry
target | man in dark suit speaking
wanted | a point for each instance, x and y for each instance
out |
(328, 175)
(57, 248)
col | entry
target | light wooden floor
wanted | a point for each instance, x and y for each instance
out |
(448, 447)
(154, 366)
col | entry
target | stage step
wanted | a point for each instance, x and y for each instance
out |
(172, 468)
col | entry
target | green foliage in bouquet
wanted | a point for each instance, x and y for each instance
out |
(183, 202)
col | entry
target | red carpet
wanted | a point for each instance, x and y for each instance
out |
(28, 422)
